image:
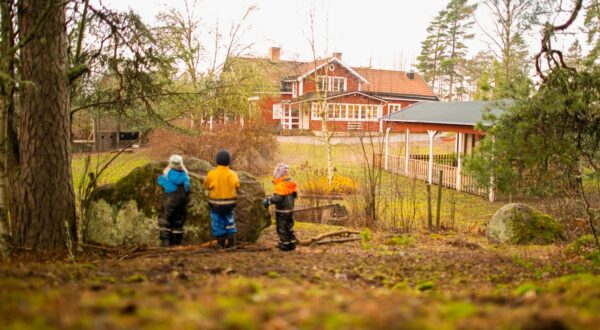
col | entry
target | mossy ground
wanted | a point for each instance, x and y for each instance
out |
(417, 281)
(449, 280)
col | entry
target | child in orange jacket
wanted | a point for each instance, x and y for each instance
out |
(284, 196)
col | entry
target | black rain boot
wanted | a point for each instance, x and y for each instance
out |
(165, 238)
(230, 243)
(176, 238)
(221, 242)
(286, 246)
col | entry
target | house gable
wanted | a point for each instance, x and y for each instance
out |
(339, 77)
(334, 61)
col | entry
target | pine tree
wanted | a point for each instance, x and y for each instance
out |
(459, 21)
(574, 57)
(432, 49)
(512, 19)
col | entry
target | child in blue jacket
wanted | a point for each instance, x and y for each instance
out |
(175, 182)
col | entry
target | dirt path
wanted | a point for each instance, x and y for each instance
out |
(418, 281)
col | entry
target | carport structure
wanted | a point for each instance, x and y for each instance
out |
(433, 118)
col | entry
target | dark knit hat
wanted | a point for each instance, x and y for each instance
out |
(223, 158)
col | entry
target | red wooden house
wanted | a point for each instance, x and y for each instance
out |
(356, 98)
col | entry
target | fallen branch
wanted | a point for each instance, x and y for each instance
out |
(318, 239)
(98, 247)
(339, 240)
(208, 247)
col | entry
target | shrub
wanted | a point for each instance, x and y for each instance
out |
(314, 181)
(320, 185)
(127, 226)
(253, 147)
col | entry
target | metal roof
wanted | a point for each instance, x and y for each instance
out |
(449, 113)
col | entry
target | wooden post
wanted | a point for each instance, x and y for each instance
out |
(432, 134)
(439, 200)
(118, 135)
(492, 192)
(387, 147)
(210, 123)
(95, 135)
(452, 209)
(429, 215)
(459, 152)
(406, 151)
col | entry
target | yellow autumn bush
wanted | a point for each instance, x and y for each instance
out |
(320, 185)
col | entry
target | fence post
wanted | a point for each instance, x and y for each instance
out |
(439, 200)
(387, 147)
(432, 134)
(406, 151)
(492, 192)
(460, 142)
(429, 215)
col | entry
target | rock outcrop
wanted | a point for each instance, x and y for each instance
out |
(518, 223)
(141, 187)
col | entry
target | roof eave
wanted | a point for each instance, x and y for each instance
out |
(487, 124)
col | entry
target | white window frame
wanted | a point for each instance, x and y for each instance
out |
(289, 119)
(294, 93)
(349, 112)
(330, 83)
(394, 107)
(277, 111)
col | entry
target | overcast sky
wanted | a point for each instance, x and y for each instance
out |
(383, 33)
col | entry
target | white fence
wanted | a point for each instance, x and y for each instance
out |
(419, 169)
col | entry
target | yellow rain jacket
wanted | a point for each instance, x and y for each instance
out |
(222, 184)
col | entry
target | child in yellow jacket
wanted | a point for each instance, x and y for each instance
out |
(222, 184)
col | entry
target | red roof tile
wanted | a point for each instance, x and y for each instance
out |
(397, 82)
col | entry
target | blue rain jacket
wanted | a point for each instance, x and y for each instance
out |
(173, 179)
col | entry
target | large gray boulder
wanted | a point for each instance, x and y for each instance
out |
(518, 223)
(140, 186)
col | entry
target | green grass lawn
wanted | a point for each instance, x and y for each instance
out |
(401, 199)
(119, 168)
(460, 210)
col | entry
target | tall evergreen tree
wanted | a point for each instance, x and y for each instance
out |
(512, 18)
(432, 49)
(459, 21)
(592, 27)
(478, 73)
(574, 57)
(42, 199)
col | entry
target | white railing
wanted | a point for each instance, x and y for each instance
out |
(448, 175)
(396, 164)
(420, 170)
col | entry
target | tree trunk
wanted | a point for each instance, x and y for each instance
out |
(4, 219)
(43, 199)
(7, 92)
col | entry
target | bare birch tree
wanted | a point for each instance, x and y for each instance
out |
(322, 94)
